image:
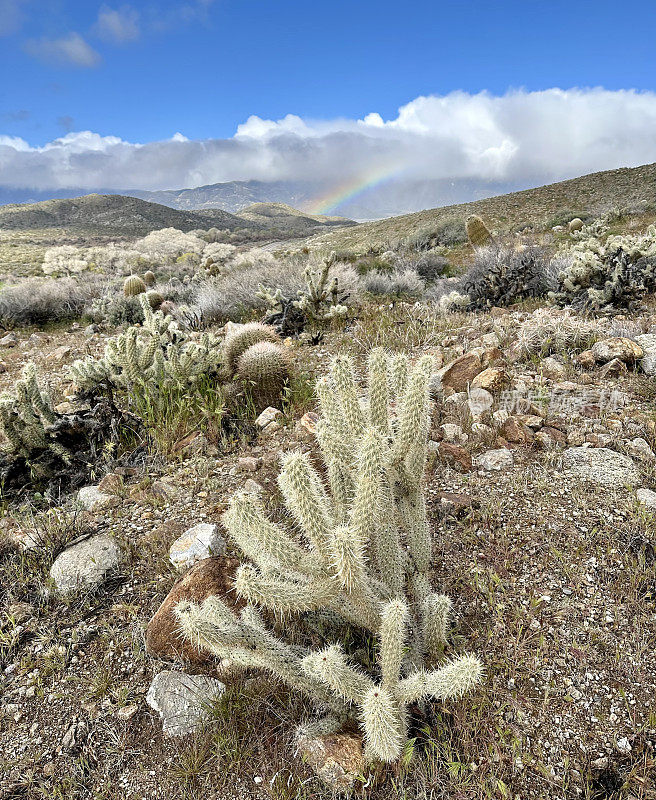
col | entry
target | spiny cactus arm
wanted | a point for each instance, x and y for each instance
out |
(343, 377)
(307, 500)
(412, 509)
(435, 613)
(393, 632)
(385, 546)
(282, 594)
(379, 391)
(331, 668)
(384, 724)
(338, 459)
(263, 541)
(454, 679)
(40, 400)
(8, 423)
(399, 370)
(412, 417)
(348, 560)
(370, 465)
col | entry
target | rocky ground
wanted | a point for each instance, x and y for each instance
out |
(541, 487)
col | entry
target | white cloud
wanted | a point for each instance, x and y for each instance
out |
(520, 138)
(69, 50)
(118, 25)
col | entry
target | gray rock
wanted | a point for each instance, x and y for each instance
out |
(601, 466)
(268, 417)
(9, 340)
(495, 460)
(638, 448)
(647, 498)
(181, 700)
(86, 564)
(648, 343)
(199, 542)
(91, 498)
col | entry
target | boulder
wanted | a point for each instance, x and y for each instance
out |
(461, 372)
(336, 758)
(495, 460)
(515, 432)
(86, 564)
(182, 700)
(601, 466)
(553, 369)
(616, 347)
(211, 576)
(647, 498)
(492, 379)
(93, 499)
(454, 456)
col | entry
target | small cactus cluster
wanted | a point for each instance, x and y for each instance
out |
(253, 356)
(364, 554)
(319, 303)
(478, 233)
(26, 419)
(150, 354)
(606, 272)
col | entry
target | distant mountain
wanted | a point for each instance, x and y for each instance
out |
(114, 214)
(289, 220)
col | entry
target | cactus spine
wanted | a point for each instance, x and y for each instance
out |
(133, 285)
(264, 367)
(239, 339)
(478, 233)
(365, 555)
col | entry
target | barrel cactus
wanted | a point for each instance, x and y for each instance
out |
(239, 339)
(154, 298)
(478, 233)
(149, 278)
(133, 285)
(264, 368)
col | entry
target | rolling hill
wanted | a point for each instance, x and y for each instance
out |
(541, 208)
(114, 214)
(289, 220)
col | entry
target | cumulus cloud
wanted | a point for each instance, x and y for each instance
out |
(69, 50)
(521, 138)
(117, 25)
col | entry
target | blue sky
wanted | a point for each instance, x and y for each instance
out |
(142, 71)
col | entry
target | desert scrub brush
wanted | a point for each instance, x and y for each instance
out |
(356, 544)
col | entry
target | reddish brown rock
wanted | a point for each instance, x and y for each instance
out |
(456, 504)
(613, 368)
(586, 359)
(211, 576)
(455, 456)
(336, 758)
(492, 379)
(461, 372)
(515, 432)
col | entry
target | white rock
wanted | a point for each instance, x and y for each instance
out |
(623, 745)
(86, 564)
(495, 460)
(601, 466)
(453, 433)
(480, 401)
(181, 700)
(639, 449)
(268, 416)
(92, 499)
(199, 542)
(647, 498)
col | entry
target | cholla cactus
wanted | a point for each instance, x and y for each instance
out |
(607, 271)
(264, 367)
(151, 354)
(133, 285)
(26, 418)
(478, 233)
(241, 337)
(320, 301)
(365, 556)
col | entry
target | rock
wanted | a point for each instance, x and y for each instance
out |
(268, 417)
(574, 224)
(515, 432)
(617, 347)
(126, 713)
(613, 368)
(531, 421)
(601, 466)
(492, 379)
(453, 433)
(638, 448)
(91, 498)
(500, 416)
(211, 576)
(455, 504)
(163, 490)
(9, 340)
(59, 354)
(249, 464)
(648, 343)
(647, 498)
(461, 372)
(480, 401)
(623, 745)
(199, 542)
(91, 329)
(86, 564)
(181, 700)
(495, 460)
(307, 424)
(552, 369)
(586, 359)
(336, 758)
(455, 456)
(110, 484)
(253, 486)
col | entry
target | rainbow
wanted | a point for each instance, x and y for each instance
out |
(349, 188)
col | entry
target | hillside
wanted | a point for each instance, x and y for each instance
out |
(289, 220)
(540, 208)
(113, 213)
